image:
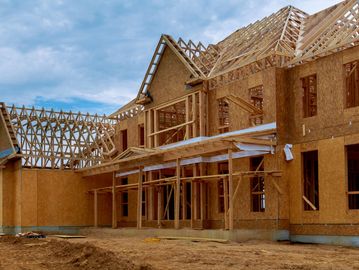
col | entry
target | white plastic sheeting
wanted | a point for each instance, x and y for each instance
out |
(196, 160)
(247, 150)
(223, 135)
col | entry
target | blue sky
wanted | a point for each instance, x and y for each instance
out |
(91, 56)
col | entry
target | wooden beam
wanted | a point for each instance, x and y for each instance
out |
(202, 131)
(151, 199)
(230, 189)
(95, 209)
(309, 203)
(114, 202)
(203, 195)
(225, 189)
(188, 127)
(184, 196)
(177, 194)
(139, 199)
(194, 197)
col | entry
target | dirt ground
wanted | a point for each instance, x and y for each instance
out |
(104, 252)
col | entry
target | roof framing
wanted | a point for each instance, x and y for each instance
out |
(49, 139)
(165, 41)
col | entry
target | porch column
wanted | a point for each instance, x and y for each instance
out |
(95, 208)
(114, 202)
(177, 194)
(230, 189)
(139, 200)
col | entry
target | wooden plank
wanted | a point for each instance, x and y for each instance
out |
(230, 190)
(184, 197)
(171, 128)
(194, 114)
(309, 203)
(201, 115)
(194, 239)
(114, 202)
(202, 195)
(156, 127)
(151, 199)
(139, 199)
(95, 209)
(177, 193)
(225, 189)
(188, 135)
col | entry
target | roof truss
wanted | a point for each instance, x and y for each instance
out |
(49, 139)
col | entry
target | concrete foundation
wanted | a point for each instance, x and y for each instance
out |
(352, 241)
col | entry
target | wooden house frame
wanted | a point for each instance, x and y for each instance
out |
(249, 99)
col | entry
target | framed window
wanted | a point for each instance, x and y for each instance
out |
(257, 186)
(256, 97)
(309, 85)
(124, 199)
(223, 115)
(353, 175)
(222, 169)
(310, 180)
(352, 84)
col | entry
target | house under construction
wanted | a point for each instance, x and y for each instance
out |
(257, 135)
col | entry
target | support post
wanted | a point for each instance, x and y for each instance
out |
(187, 118)
(159, 206)
(203, 195)
(230, 189)
(151, 199)
(184, 197)
(178, 193)
(201, 114)
(225, 189)
(156, 128)
(1, 195)
(95, 208)
(193, 197)
(114, 202)
(139, 200)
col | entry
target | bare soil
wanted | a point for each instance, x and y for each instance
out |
(105, 252)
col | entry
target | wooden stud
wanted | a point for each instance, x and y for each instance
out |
(95, 209)
(114, 202)
(177, 194)
(151, 199)
(203, 194)
(139, 199)
(225, 189)
(184, 197)
(230, 189)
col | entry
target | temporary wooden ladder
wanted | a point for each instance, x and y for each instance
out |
(10, 129)
(142, 97)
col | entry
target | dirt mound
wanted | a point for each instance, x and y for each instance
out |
(87, 256)
(64, 255)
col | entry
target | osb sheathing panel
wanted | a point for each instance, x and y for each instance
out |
(239, 118)
(131, 125)
(11, 194)
(282, 108)
(4, 141)
(59, 198)
(333, 207)
(333, 119)
(169, 81)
